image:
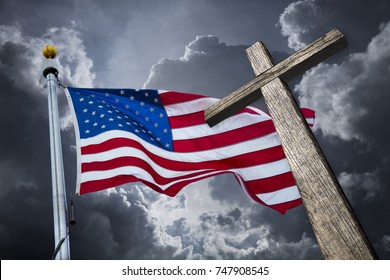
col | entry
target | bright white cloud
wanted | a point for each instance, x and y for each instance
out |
(350, 99)
(28, 63)
(298, 21)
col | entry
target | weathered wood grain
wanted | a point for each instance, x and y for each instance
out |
(334, 223)
(299, 62)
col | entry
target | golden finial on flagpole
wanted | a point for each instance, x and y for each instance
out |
(49, 51)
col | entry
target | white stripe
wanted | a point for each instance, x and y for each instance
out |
(137, 172)
(262, 171)
(188, 107)
(198, 105)
(265, 142)
(310, 121)
(235, 122)
(280, 196)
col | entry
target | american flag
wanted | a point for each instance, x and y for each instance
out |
(160, 138)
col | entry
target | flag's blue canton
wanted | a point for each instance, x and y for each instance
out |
(136, 111)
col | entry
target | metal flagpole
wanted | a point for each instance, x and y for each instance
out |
(61, 228)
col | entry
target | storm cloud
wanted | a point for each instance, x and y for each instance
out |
(198, 47)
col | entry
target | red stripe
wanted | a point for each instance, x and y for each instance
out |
(173, 97)
(224, 139)
(281, 207)
(93, 186)
(192, 119)
(271, 184)
(308, 113)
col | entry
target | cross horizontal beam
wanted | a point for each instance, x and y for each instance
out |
(299, 62)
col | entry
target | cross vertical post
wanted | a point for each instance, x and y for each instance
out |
(334, 223)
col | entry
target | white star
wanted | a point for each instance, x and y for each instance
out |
(156, 125)
(86, 121)
(93, 113)
(142, 103)
(167, 145)
(93, 95)
(137, 113)
(119, 117)
(161, 115)
(158, 139)
(103, 126)
(111, 119)
(147, 119)
(81, 99)
(120, 125)
(131, 97)
(155, 100)
(136, 130)
(151, 109)
(146, 94)
(117, 100)
(128, 123)
(100, 106)
(165, 130)
(107, 94)
(101, 115)
(109, 111)
(87, 131)
(95, 124)
(90, 102)
(85, 110)
(122, 92)
(127, 106)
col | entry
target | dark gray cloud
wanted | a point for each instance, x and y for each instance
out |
(118, 225)
(304, 21)
(203, 68)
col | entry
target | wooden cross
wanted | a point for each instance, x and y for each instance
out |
(334, 223)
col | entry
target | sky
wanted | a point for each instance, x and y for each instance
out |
(199, 47)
